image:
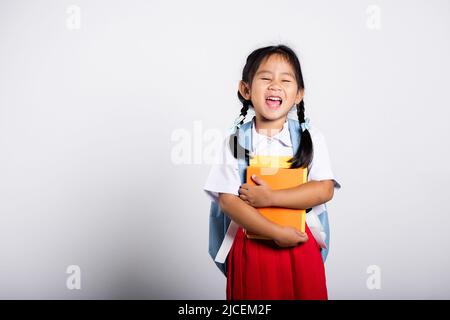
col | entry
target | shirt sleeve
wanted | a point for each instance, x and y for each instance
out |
(224, 174)
(320, 167)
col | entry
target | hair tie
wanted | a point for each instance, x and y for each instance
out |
(305, 125)
(236, 122)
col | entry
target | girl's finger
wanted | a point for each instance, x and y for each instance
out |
(243, 191)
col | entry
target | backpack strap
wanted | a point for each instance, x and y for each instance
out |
(323, 217)
(322, 229)
(221, 229)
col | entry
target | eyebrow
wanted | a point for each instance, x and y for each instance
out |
(267, 71)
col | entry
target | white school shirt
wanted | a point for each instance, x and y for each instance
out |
(224, 174)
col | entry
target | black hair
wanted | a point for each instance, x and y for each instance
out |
(304, 154)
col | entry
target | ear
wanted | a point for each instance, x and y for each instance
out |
(244, 90)
(299, 96)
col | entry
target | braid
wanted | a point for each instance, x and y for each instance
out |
(244, 110)
(304, 154)
(301, 112)
(235, 148)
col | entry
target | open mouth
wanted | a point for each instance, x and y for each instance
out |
(273, 102)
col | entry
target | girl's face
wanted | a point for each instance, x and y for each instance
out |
(273, 90)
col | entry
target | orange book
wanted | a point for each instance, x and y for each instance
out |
(280, 178)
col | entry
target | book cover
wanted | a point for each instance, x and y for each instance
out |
(279, 178)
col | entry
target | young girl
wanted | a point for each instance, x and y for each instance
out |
(290, 266)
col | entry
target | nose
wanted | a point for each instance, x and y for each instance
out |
(275, 86)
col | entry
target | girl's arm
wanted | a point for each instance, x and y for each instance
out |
(250, 219)
(247, 216)
(306, 195)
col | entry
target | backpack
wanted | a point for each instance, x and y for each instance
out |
(222, 229)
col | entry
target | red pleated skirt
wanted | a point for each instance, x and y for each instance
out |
(261, 270)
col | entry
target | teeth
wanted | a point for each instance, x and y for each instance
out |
(274, 98)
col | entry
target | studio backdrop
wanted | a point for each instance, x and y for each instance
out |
(109, 113)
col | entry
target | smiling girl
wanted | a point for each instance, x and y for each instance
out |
(289, 266)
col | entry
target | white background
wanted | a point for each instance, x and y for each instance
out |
(87, 117)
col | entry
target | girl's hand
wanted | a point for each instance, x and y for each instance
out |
(256, 196)
(290, 237)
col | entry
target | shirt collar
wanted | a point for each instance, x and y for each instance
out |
(284, 136)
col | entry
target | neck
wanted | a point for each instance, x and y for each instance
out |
(269, 127)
